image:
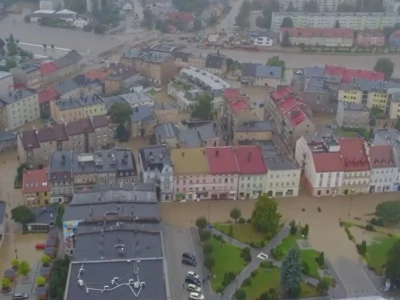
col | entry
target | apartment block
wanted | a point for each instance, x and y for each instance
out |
(352, 115)
(6, 82)
(27, 76)
(323, 5)
(370, 37)
(328, 37)
(35, 187)
(383, 169)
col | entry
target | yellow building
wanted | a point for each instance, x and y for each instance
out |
(348, 94)
(35, 187)
(379, 100)
(252, 131)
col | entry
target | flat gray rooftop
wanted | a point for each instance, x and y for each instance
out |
(96, 275)
(115, 196)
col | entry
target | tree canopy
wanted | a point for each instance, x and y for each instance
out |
(22, 214)
(392, 270)
(235, 213)
(78, 6)
(192, 6)
(286, 40)
(203, 108)
(242, 20)
(291, 272)
(24, 268)
(265, 217)
(120, 113)
(386, 66)
(201, 223)
(287, 22)
(310, 6)
(389, 212)
(275, 61)
(272, 6)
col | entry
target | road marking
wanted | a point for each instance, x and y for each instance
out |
(262, 256)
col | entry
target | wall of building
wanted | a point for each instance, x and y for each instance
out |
(282, 183)
(22, 111)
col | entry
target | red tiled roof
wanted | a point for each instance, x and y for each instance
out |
(222, 160)
(231, 94)
(181, 16)
(35, 181)
(250, 160)
(48, 95)
(238, 106)
(100, 121)
(348, 75)
(353, 155)
(395, 34)
(79, 127)
(295, 117)
(327, 162)
(381, 156)
(47, 68)
(54, 133)
(319, 32)
(96, 74)
(281, 93)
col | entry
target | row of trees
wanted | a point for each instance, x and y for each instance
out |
(243, 18)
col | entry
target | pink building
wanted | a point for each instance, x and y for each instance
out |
(370, 37)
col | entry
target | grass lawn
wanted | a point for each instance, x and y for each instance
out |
(244, 233)
(152, 92)
(346, 133)
(227, 259)
(270, 278)
(377, 251)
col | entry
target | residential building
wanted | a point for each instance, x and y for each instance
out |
(21, 106)
(36, 146)
(6, 82)
(317, 95)
(138, 98)
(166, 113)
(391, 5)
(184, 18)
(60, 177)
(328, 37)
(69, 64)
(352, 115)
(116, 81)
(370, 37)
(167, 134)
(8, 141)
(67, 88)
(205, 135)
(88, 86)
(394, 108)
(216, 64)
(323, 5)
(81, 21)
(289, 114)
(27, 75)
(35, 187)
(252, 171)
(72, 109)
(3, 116)
(48, 72)
(394, 39)
(261, 75)
(45, 221)
(196, 61)
(142, 121)
(383, 169)
(158, 67)
(236, 113)
(47, 96)
(156, 167)
(181, 60)
(263, 41)
(283, 177)
(355, 21)
(252, 131)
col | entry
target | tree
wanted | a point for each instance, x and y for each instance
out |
(265, 217)
(389, 212)
(12, 48)
(242, 19)
(291, 7)
(5, 284)
(209, 262)
(24, 268)
(293, 227)
(235, 213)
(22, 214)
(386, 66)
(147, 19)
(276, 62)
(201, 223)
(392, 270)
(99, 28)
(337, 24)
(372, 122)
(291, 272)
(286, 40)
(310, 6)
(240, 294)
(120, 113)
(304, 231)
(11, 38)
(78, 6)
(203, 108)
(40, 281)
(193, 6)
(261, 22)
(272, 6)
(46, 260)
(323, 286)
(15, 263)
(287, 22)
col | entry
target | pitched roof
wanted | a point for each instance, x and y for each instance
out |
(348, 75)
(35, 181)
(66, 86)
(222, 160)
(79, 127)
(189, 161)
(319, 32)
(327, 162)
(100, 121)
(281, 92)
(381, 156)
(250, 160)
(96, 74)
(371, 33)
(231, 94)
(214, 61)
(54, 133)
(181, 16)
(353, 155)
(238, 106)
(48, 95)
(47, 68)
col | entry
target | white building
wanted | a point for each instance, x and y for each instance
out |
(22, 106)
(49, 4)
(263, 41)
(323, 5)
(6, 82)
(383, 169)
(81, 22)
(355, 21)
(66, 15)
(156, 167)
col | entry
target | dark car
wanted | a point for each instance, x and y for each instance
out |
(189, 262)
(189, 256)
(192, 280)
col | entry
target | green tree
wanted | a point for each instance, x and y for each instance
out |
(46, 260)
(261, 22)
(304, 231)
(78, 6)
(120, 113)
(389, 212)
(337, 24)
(265, 217)
(293, 227)
(291, 275)
(193, 6)
(310, 6)
(372, 122)
(287, 23)
(242, 20)
(5, 284)
(201, 223)
(273, 294)
(203, 108)
(22, 214)
(272, 6)
(15, 263)
(209, 262)
(24, 268)
(392, 270)
(323, 286)
(277, 62)
(99, 28)
(148, 19)
(235, 213)
(40, 281)
(286, 40)
(386, 66)
(208, 248)
(240, 294)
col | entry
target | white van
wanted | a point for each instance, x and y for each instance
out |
(196, 296)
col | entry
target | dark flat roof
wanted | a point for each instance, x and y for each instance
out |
(96, 275)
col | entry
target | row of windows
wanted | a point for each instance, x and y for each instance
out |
(231, 188)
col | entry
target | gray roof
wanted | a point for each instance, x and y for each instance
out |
(279, 163)
(98, 274)
(68, 103)
(3, 207)
(115, 196)
(166, 131)
(113, 99)
(149, 56)
(7, 136)
(263, 71)
(255, 126)
(183, 56)
(193, 137)
(142, 113)
(214, 61)
(373, 85)
(17, 95)
(314, 72)
(315, 85)
(72, 57)
(166, 48)
(66, 86)
(165, 106)
(389, 136)
(155, 157)
(60, 167)
(27, 68)
(148, 242)
(45, 215)
(355, 106)
(137, 98)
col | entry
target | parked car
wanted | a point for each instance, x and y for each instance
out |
(193, 274)
(20, 296)
(193, 288)
(192, 280)
(196, 296)
(189, 262)
(189, 255)
(40, 246)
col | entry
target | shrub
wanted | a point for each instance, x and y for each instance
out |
(230, 233)
(219, 237)
(246, 254)
(205, 235)
(349, 235)
(5, 283)
(46, 260)
(201, 223)
(277, 253)
(209, 262)
(320, 259)
(240, 294)
(40, 281)
(264, 296)
(293, 227)
(228, 278)
(273, 295)
(377, 222)
(254, 273)
(362, 248)
(247, 282)
(248, 221)
(207, 248)
(369, 227)
(220, 289)
(267, 264)
(242, 220)
(306, 268)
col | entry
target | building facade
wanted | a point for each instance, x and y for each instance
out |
(369, 37)
(352, 115)
(383, 169)
(35, 187)
(27, 75)
(6, 82)
(319, 37)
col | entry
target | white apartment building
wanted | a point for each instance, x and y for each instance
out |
(383, 169)
(22, 106)
(323, 5)
(156, 167)
(282, 179)
(355, 21)
(6, 82)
